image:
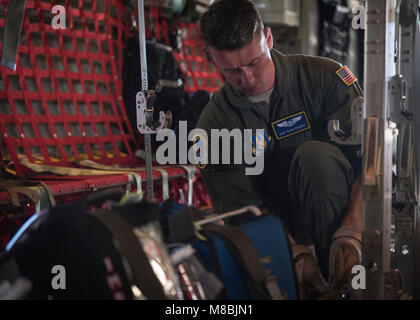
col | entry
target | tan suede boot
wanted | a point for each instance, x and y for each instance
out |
(311, 283)
(345, 252)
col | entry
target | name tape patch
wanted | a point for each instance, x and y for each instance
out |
(291, 125)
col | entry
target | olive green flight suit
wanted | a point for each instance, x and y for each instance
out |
(306, 180)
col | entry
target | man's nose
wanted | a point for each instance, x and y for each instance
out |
(247, 78)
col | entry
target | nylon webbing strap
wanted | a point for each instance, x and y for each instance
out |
(165, 179)
(130, 248)
(11, 37)
(191, 170)
(82, 172)
(93, 172)
(165, 184)
(38, 192)
(30, 192)
(99, 166)
(248, 253)
(107, 170)
(67, 171)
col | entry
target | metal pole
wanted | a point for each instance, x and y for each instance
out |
(144, 84)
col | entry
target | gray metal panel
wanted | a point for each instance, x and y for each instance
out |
(405, 188)
(379, 68)
(415, 97)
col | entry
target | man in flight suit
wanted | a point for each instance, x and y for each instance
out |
(307, 180)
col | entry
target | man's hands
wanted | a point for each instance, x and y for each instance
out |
(346, 250)
(310, 281)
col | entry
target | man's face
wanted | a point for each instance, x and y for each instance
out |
(249, 69)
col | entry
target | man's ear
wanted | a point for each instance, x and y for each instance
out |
(269, 38)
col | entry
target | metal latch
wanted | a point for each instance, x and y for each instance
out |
(145, 121)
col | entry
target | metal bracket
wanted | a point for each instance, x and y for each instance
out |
(191, 170)
(165, 184)
(253, 209)
(372, 240)
(397, 99)
(145, 122)
(137, 179)
(355, 137)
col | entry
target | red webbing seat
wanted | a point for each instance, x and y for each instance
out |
(64, 102)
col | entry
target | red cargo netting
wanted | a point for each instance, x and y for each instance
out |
(200, 73)
(64, 101)
(64, 104)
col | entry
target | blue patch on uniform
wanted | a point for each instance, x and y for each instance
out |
(260, 141)
(291, 125)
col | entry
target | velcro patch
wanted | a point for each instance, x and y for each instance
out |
(346, 75)
(200, 149)
(260, 142)
(291, 125)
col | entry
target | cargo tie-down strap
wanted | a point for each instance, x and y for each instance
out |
(38, 192)
(190, 170)
(68, 171)
(100, 169)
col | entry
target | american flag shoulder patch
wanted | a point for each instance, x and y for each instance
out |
(346, 75)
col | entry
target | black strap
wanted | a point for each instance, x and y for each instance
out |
(130, 248)
(217, 266)
(246, 249)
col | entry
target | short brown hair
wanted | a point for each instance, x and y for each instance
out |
(230, 24)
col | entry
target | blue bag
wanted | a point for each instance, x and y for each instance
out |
(270, 241)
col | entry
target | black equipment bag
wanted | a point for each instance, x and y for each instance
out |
(100, 254)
